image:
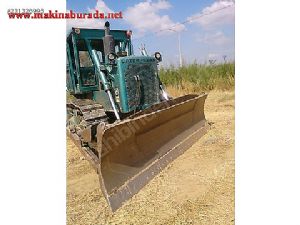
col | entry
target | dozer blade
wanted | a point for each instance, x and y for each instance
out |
(133, 151)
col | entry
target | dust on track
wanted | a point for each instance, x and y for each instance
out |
(196, 188)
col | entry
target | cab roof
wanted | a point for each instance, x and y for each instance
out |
(88, 33)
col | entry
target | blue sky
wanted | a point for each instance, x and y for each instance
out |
(208, 35)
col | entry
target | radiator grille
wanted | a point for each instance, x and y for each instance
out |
(149, 85)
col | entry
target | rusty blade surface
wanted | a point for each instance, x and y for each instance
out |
(133, 151)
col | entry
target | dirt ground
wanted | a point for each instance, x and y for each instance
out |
(196, 188)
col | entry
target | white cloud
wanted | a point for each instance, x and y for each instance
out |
(90, 23)
(101, 7)
(208, 20)
(217, 38)
(144, 17)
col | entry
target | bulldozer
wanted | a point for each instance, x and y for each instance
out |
(119, 114)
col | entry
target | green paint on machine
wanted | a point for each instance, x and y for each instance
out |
(91, 71)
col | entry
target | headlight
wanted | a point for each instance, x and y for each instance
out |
(112, 56)
(128, 33)
(158, 57)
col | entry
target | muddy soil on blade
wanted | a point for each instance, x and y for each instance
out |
(196, 188)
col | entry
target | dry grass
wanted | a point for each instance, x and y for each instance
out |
(197, 188)
(199, 77)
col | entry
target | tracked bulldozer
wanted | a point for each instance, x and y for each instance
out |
(119, 114)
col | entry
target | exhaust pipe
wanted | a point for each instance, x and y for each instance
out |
(108, 40)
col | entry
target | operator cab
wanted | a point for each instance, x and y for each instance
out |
(80, 63)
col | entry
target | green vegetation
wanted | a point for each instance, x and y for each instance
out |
(199, 77)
